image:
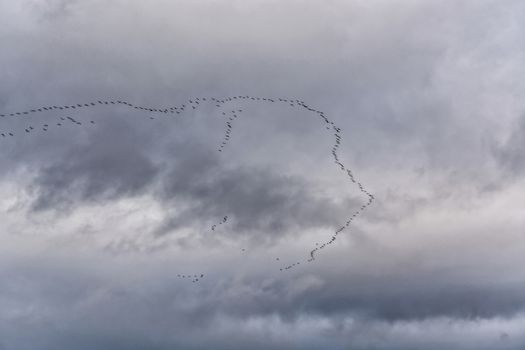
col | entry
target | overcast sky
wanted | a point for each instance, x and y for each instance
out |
(100, 217)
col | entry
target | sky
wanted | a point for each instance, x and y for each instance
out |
(127, 228)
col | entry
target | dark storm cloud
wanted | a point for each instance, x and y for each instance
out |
(257, 200)
(116, 162)
(110, 166)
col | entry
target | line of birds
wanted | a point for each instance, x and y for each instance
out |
(329, 125)
(223, 221)
(194, 278)
(229, 126)
(194, 103)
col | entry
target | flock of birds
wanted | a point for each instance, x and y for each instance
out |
(223, 221)
(231, 115)
(194, 278)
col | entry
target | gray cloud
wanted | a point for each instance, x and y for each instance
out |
(109, 166)
(422, 91)
(114, 160)
(101, 309)
(510, 155)
(256, 200)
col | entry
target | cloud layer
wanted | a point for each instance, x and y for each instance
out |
(99, 219)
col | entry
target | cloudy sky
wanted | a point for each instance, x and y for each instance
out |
(105, 216)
